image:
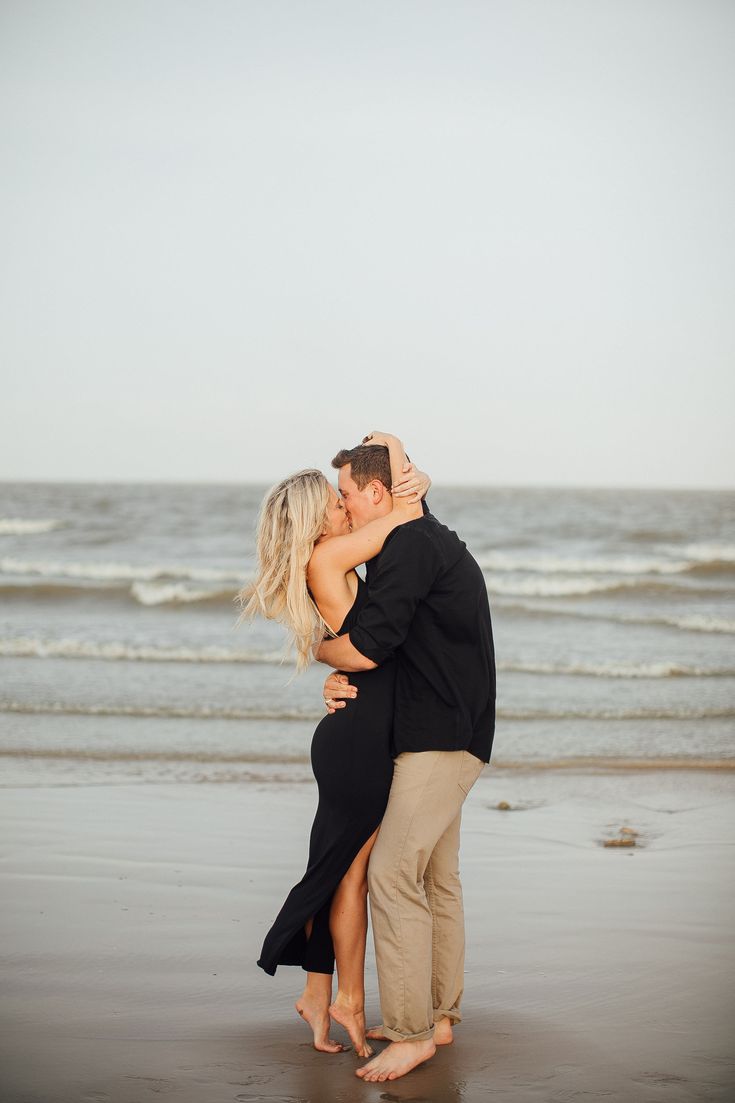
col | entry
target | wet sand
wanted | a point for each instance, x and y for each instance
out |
(133, 915)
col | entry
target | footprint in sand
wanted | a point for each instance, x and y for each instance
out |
(155, 1084)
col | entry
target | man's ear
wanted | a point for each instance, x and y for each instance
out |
(377, 491)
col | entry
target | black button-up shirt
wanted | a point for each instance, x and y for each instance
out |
(428, 605)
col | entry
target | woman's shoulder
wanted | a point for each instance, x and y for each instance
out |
(319, 563)
(324, 575)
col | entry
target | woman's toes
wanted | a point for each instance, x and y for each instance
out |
(328, 1047)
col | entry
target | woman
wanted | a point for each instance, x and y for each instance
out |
(307, 580)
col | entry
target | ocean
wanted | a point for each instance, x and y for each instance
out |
(121, 659)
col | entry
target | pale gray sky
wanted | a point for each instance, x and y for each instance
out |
(237, 235)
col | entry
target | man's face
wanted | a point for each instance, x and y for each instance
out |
(360, 504)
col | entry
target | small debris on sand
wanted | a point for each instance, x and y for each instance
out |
(503, 806)
(626, 837)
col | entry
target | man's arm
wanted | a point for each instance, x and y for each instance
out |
(342, 655)
(408, 568)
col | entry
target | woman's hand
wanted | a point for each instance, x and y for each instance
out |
(413, 485)
(337, 686)
(376, 437)
(409, 485)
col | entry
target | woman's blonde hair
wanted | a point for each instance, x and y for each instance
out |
(291, 520)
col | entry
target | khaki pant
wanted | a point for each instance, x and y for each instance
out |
(416, 894)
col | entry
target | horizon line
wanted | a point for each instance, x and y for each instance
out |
(436, 485)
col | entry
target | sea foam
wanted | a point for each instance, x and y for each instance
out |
(617, 670)
(15, 526)
(558, 564)
(118, 572)
(33, 647)
(213, 713)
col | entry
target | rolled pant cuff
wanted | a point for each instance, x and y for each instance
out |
(396, 1036)
(452, 1014)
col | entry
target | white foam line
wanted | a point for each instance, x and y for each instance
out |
(16, 526)
(31, 647)
(691, 623)
(617, 670)
(120, 572)
(557, 564)
(204, 713)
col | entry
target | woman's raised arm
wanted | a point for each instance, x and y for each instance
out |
(343, 553)
(407, 481)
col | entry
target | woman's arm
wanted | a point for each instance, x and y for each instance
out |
(345, 552)
(396, 454)
(342, 553)
(406, 480)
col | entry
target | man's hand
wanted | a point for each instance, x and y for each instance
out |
(337, 690)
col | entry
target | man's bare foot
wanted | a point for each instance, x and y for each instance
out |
(318, 1020)
(443, 1033)
(353, 1020)
(398, 1059)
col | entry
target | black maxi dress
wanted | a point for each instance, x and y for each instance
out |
(352, 763)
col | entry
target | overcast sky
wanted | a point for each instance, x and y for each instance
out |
(238, 235)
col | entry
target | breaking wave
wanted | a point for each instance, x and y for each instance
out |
(144, 593)
(175, 593)
(153, 584)
(218, 759)
(693, 622)
(677, 560)
(557, 564)
(619, 670)
(33, 647)
(68, 648)
(59, 708)
(118, 572)
(210, 713)
(545, 586)
(15, 526)
(708, 553)
(696, 623)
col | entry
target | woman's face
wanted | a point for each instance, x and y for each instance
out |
(337, 521)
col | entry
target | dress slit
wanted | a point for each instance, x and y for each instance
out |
(287, 943)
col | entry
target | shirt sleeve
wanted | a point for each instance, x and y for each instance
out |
(408, 567)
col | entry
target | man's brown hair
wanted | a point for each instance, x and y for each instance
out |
(368, 462)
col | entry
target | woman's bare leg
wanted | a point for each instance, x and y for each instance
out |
(313, 1006)
(348, 924)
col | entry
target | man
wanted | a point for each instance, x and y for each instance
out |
(428, 606)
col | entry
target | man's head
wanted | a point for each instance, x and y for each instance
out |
(364, 482)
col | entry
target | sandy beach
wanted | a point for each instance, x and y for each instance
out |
(133, 915)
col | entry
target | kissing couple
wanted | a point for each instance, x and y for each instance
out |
(410, 724)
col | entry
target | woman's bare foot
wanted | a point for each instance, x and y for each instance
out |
(398, 1059)
(443, 1033)
(318, 1019)
(353, 1020)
